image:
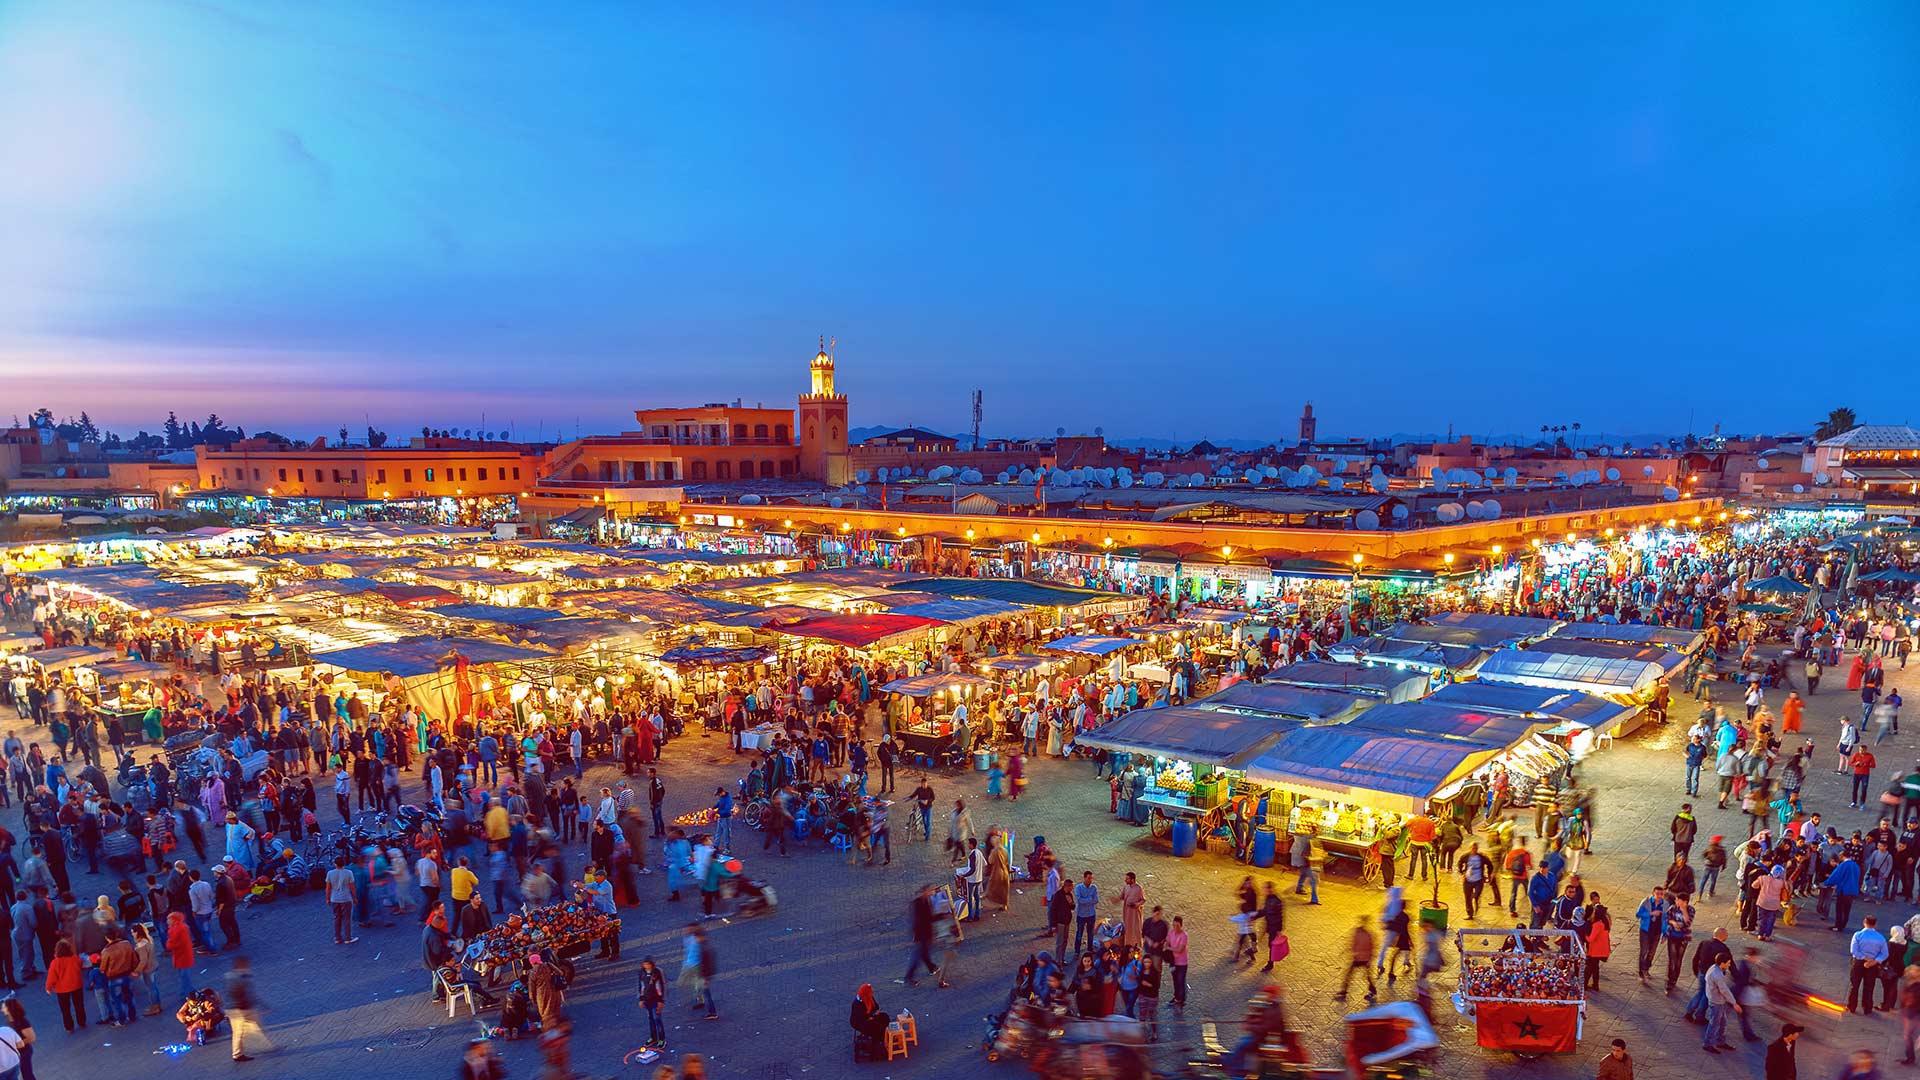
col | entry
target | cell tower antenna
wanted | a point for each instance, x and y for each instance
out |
(976, 419)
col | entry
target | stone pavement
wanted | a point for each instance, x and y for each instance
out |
(786, 978)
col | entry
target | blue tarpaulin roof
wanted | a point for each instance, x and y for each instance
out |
(1777, 584)
(1448, 722)
(934, 682)
(578, 633)
(497, 613)
(1019, 662)
(1350, 764)
(1561, 706)
(1677, 638)
(1421, 654)
(1569, 672)
(1089, 644)
(1356, 678)
(1279, 699)
(957, 609)
(1511, 626)
(1013, 591)
(424, 655)
(1186, 733)
(713, 654)
(1669, 660)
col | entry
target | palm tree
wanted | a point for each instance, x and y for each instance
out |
(1576, 434)
(1543, 434)
(1839, 421)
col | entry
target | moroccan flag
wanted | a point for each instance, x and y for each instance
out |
(1528, 1027)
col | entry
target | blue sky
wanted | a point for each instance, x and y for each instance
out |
(1164, 219)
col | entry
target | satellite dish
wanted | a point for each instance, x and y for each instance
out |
(1060, 431)
(1366, 520)
(836, 502)
(1646, 471)
(1400, 512)
(749, 500)
(1670, 493)
(1492, 508)
(1100, 431)
(1613, 476)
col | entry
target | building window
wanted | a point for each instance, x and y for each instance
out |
(723, 470)
(429, 476)
(256, 476)
(746, 470)
(766, 470)
(516, 472)
(786, 468)
(283, 476)
(666, 470)
(301, 475)
(739, 431)
(463, 474)
(380, 476)
(406, 476)
(759, 431)
(353, 477)
(779, 433)
(483, 474)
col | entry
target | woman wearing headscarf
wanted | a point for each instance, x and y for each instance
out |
(1770, 897)
(868, 1022)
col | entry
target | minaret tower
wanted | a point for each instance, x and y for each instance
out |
(823, 424)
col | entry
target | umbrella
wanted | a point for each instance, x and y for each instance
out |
(1777, 584)
(1895, 520)
(1765, 609)
(1891, 574)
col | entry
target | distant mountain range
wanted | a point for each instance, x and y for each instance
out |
(1587, 439)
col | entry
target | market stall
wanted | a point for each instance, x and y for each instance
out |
(1382, 682)
(921, 710)
(1525, 989)
(1196, 759)
(126, 690)
(436, 675)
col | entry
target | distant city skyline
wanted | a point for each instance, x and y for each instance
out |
(1164, 222)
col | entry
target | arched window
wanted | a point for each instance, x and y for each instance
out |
(723, 470)
(759, 431)
(579, 472)
(766, 470)
(739, 431)
(696, 471)
(780, 433)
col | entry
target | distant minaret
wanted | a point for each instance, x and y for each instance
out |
(1309, 427)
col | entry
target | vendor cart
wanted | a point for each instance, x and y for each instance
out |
(1524, 988)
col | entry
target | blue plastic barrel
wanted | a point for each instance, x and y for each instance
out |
(1183, 839)
(1263, 844)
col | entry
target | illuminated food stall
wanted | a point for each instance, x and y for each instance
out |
(1195, 758)
(920, 710)
(126, 689)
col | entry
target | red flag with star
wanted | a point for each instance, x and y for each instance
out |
(1528, 1027)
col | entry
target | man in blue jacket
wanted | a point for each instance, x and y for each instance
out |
(1845, 883)
(1540, 892)
(1696, 757)
(1652, 914)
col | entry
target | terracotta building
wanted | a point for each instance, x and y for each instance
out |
(450, 468)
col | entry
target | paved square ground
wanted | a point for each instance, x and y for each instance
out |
(786, 978)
